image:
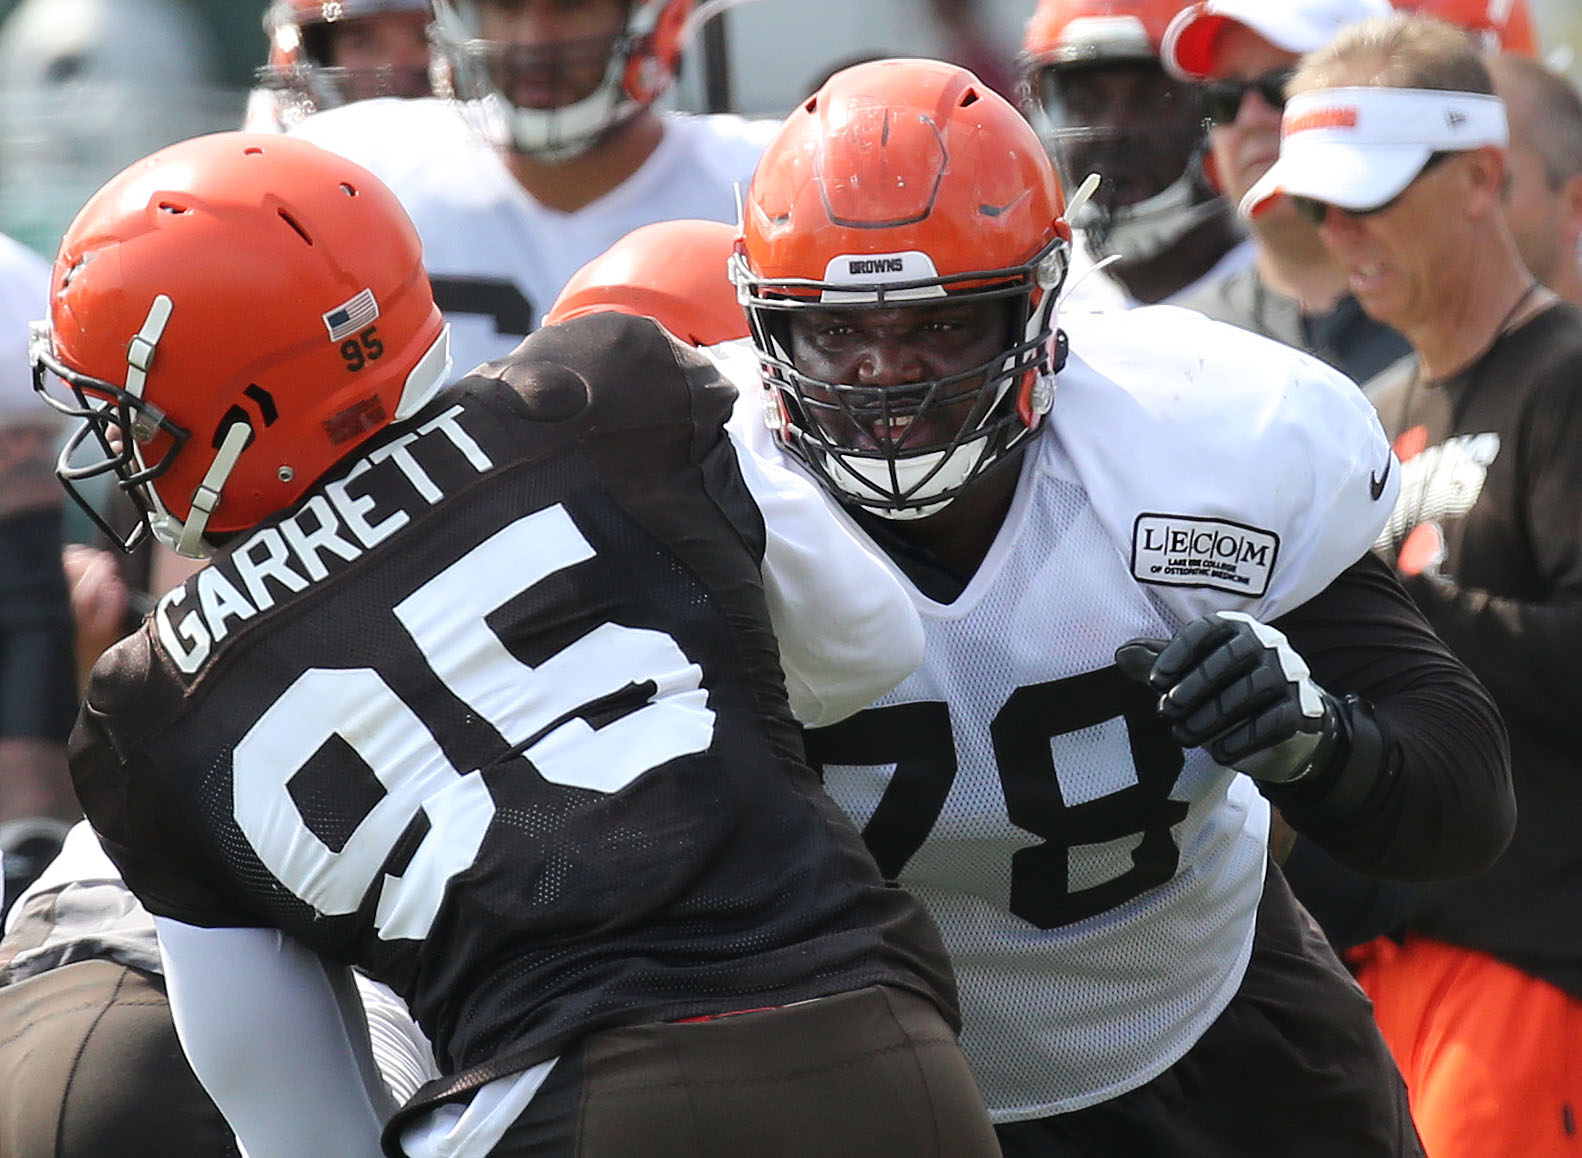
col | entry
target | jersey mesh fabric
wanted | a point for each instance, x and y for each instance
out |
(540, 641)
(1072, 991)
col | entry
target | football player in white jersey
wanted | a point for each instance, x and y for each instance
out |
(548, 149)
(1094, 84)
(1084, 806)
(324, 53)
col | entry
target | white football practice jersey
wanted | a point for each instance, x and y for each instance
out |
(496, 257)
(1095, 885)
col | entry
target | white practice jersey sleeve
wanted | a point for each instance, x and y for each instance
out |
(847, 628)
(277, 1038)
(24, 298)
(1242, 468)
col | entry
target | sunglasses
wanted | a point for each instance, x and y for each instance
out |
(1220, 100)
(1315, 211)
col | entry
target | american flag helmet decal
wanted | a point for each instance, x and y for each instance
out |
(353, 315)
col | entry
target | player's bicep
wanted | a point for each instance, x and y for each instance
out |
(139, 826)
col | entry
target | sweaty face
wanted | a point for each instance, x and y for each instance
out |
(1129, 122)
(553, 53)
(910, 375)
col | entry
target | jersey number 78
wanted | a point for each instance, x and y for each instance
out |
(918, 739)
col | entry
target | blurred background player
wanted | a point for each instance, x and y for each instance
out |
(324, 53)
(557, 151)
(1104, 103)
(1239, 54)
(1135, 977)
(1395, 141)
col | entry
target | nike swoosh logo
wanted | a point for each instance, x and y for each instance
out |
(1376, 481)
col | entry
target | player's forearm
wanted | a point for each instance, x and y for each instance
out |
(1439, 804)
(1430, 796)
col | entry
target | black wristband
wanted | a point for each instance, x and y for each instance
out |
(1356, 763)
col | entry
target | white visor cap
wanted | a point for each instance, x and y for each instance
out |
(1359, 148)
(1190, 47)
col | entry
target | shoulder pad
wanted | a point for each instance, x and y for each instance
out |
(1235, 472)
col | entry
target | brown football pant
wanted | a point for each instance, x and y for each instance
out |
(90, 1068)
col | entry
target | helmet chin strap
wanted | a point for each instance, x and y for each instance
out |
(190, 540)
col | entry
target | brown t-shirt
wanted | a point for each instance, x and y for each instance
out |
(1487, 535)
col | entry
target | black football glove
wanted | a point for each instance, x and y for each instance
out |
(1236, 687)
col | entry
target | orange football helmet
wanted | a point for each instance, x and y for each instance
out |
(301, 69)
(1095, 87)
(1065, 32)
(231, 316)
(1501, 25)
(641, 65)
(675, 272)
(898, 183)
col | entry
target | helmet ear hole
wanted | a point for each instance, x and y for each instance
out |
(227, 420)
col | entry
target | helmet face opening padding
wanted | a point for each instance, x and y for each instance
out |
(904, 184)
(327, 339)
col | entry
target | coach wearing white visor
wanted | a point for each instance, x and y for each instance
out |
(1239, 55)
(1393, 145)
(1393, 141)
(1360, 147)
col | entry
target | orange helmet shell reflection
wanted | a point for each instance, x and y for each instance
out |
(672, 271)
(902, 156)
(298, 305)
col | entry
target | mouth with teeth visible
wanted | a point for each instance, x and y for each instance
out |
(904, 433)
